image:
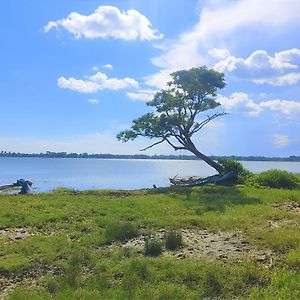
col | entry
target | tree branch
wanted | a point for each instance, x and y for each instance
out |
(156, 143)
(203, 123)
(175, 147)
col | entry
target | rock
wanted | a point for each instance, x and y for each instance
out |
(21, 235)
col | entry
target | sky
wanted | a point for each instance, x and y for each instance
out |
(76, 73)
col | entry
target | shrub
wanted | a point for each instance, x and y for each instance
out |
(173, 240)
(120, 232)
(240, 174)
(276, 179)
(153, 247)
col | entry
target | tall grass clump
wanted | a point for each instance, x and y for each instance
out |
(120, 232)
(153, 247)
(240, 174)
(276, 179)
(173, 240)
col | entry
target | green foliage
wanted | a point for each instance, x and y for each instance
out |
(276, 179)
(153, 247)
(293, 258)
(191, 92)
(285, 284)
(240, 174)
(282, 240)
(173, 240)
(120, 232)
(179, 110)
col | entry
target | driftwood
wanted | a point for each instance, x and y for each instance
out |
(193, 181)
(7, 186)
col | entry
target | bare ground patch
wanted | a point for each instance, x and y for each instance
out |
(200, 243)
(9, 281)
(291, 206)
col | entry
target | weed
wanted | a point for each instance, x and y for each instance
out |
(276, 179)
(153, 247)
(120, 232)
(173, 240)
(240, 174)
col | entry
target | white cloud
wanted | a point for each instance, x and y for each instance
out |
(280, 141)
(96, 82)
(159, 79)
(105, 22)
(219, 53)
(219, 20)
(142, 95)
(78, 85)
(108, 66)
(93, 101)
(260, 67)
(287, 79)
(242, 103)
(284, 106)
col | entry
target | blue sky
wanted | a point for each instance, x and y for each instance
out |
(75, 73)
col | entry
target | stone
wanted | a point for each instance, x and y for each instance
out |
(21, 235)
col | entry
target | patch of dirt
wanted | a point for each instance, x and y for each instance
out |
(204, 244)
(17, 234)
(8, 282)
(292, 206)
(275, 224)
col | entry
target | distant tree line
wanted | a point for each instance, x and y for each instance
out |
(50, 154)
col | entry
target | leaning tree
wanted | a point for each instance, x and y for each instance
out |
(180, 111)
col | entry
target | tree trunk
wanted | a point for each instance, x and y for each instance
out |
(191, 147)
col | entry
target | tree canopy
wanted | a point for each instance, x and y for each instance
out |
(179, 111)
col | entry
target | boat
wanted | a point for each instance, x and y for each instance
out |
(194, 181)
(7, 186)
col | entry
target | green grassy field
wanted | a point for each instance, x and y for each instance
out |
(80, 245)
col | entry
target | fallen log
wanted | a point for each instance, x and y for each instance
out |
(189, 182)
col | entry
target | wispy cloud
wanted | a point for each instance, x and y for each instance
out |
(107, 22)
(280, 141)
(108, 67)
(93, 101)
(284, 106)
(142, 95)
(96, 82)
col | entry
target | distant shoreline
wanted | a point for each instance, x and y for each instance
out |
(49, 154)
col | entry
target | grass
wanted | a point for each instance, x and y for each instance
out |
(173, 240)
(70, 250)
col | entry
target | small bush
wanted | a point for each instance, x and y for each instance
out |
(173, 240)
(240, 174)
(276, 179)
(153, 247)
(120, 232)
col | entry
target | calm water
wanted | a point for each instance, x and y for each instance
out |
(50, 173)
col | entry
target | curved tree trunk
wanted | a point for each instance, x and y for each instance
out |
(208, 160)
(191, 147)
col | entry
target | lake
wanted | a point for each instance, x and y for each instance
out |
(50, 173)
